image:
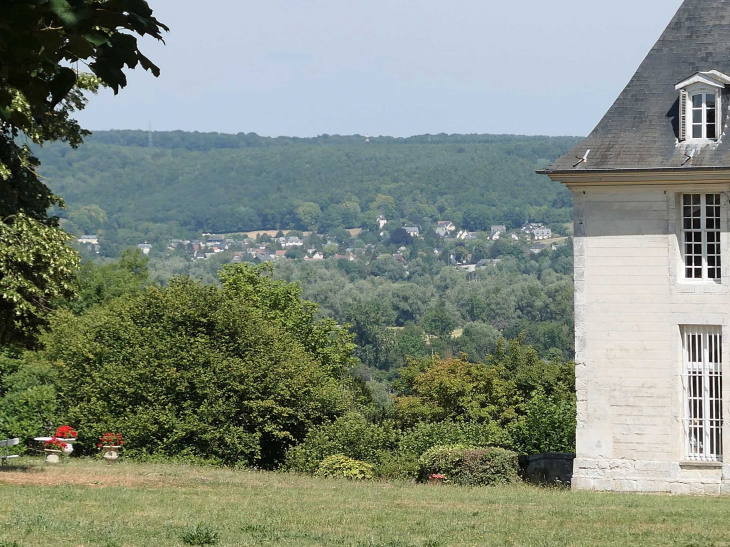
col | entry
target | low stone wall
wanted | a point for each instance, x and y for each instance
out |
(549, 468)
(606, 475)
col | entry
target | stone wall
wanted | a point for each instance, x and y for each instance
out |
(630, 305)
(651, 476)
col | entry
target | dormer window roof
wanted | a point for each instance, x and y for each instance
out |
(712, 78)
(700, 97)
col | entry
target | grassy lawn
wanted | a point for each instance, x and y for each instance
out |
(87, 503)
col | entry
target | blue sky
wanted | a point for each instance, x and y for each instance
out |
(386, 67)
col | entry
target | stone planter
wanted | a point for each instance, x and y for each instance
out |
(53, 456)
(111, 453)
(69, 446)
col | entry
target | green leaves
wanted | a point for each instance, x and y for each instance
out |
(39, 92)
(63, 10)
(62, 84)
(207, 372)
(36, 266)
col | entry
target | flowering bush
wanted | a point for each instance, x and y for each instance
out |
(111, 439)
(55, 444)
(66, 432)
(436, 478)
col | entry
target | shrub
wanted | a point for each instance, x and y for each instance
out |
(425, 435)
(28, 398)
(200, 535)
(471, 466)
(346, 468)
(548, 425)
(350, 435)
(397, 466)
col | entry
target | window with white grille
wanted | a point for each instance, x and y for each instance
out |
(701, 236)
(703, 116)
(702, 382)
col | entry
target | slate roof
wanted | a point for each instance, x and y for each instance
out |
(640, 130)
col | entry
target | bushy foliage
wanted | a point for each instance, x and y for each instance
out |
(397, 466)
(351, 435)
(39, 94)
(339, 466)
(199, 370)
(425, 435)
(28, 397)
(471, 466)
(514, 400)
(548, 424)
(434, 390)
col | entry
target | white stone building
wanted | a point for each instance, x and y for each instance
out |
(652, 289)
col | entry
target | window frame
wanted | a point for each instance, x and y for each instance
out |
(702, 397)
(704, 232)
(703, 124)
(686, 113)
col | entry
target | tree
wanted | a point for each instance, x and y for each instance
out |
(233, 373)
(309, 214)
(97, 284)
(400, 237)
(439, 322)
(384, 205)
(39, 92)
(369, 321)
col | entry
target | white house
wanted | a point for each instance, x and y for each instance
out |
(496, 230)
(542, 233)
(88, 240)
(444, 227)
(145, 248)
(652, 287)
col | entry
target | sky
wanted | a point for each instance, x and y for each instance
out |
(385, 67)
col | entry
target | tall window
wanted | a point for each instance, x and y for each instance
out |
(702, 381)
(701, 236)
(703, 116)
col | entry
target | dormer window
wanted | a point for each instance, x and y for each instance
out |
(700, 112)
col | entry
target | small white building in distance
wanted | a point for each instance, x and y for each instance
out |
(542, 233)
(497, 229)
(145, 248)
(652, 284)
(88, 240)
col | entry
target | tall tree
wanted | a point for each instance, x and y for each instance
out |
(42, 45)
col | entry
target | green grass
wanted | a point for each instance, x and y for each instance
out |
(89, 504)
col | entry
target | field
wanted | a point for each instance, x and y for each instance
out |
(86, 503)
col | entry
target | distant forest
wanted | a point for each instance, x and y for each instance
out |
(120, 187)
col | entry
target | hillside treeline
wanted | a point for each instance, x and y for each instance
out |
(119, 187)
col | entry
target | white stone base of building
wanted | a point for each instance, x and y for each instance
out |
(606, 475)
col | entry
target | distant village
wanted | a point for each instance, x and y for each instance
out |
(457, 247)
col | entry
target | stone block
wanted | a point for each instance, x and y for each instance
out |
(622, 485)
(711, 489)
(581, 483)
(586, 463)
(603, 485)
(680, 488)
(644, 485)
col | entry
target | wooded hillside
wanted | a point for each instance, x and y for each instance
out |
(187, 183)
